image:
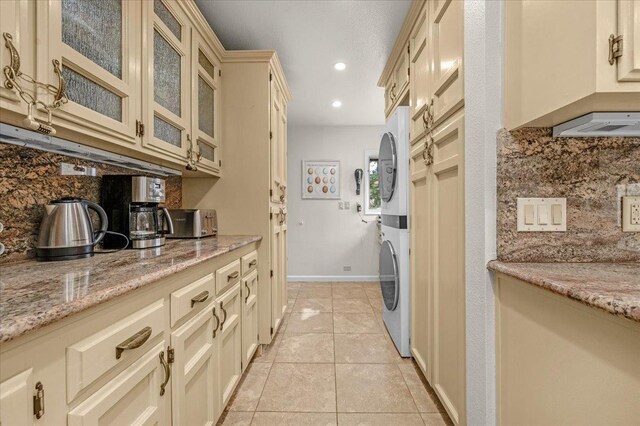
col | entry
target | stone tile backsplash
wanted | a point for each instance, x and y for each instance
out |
(591, 173)
(30, 178)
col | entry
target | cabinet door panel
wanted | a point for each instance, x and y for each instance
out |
(447, 239)
(166, 77)
(98, 47)
(194, 379)
(419, 82)
(249, 317)
(205, 105)
(446, 19)
(16, 399)
(275, 139)
(230, 342)
(276, 265)
(420, 297)
(132, 397)
(629, 28)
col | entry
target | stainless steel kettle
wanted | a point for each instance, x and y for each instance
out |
(66, 231)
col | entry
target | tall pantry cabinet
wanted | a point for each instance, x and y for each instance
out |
(252, 197)
(433, 30)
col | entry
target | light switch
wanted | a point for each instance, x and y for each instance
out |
(543, 215)
(556, 214)
(528, 214)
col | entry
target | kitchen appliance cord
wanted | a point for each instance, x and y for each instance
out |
(116, 250)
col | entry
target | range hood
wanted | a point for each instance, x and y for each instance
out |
(597, 124)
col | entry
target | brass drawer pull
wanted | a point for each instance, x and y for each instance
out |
(134, 341)
(167, 373)
(215, 330)
(253, 263)
(246, 285)
(224, 318)
(233, 276)
(199, 298)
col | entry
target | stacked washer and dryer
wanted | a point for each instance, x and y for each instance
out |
(393, 172)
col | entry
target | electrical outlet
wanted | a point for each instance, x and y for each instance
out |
(347, 205)
(346, 268)
(631, 214)
(340, 205)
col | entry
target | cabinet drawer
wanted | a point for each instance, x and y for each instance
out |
(191, 298)
(249, 263)
(93, 356)
(227, 276)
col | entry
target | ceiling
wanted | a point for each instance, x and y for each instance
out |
(310, 37)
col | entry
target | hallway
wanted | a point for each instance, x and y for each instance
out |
(332, 362)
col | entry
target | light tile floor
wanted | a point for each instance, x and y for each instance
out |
(333, 362)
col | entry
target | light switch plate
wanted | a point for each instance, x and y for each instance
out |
(631, 214)
(76, 170)
(549, 214)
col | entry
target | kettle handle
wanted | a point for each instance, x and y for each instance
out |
(104, 222)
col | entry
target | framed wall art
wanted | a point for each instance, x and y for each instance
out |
(320, 180)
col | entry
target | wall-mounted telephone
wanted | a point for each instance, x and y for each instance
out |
(358, 175)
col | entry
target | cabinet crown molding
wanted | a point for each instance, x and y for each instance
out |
(417, 7)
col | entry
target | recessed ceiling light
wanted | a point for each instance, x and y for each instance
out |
(340, 66)
(336, 104)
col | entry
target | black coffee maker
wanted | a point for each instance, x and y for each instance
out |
(133, 208)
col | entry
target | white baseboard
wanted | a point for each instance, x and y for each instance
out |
(332, 278)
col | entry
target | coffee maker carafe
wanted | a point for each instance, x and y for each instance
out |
(133, 207)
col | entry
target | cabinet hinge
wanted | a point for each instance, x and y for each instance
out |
(38, 401)
(272, 272)
(139, 128)
(270, 76)
(409, 71)
(270, 134)
(615, 48)
(171, 355)
(272, 331)
(271, 195)
(219, 163)
(219, 73)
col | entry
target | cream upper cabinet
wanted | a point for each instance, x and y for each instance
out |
(561, 61)
(229, 342)
(205, 89)
(95, 46)
(629, 28)
(194, 379)
(419, 81)
(277, 139)
(249, 316)
(446, 47)
(166, 78)
(132, 397)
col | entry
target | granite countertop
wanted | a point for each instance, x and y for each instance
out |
(34, 294)
(613, 287)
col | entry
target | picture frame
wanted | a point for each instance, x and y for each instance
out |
(321, 180)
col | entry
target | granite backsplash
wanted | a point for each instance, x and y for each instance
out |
(30, 178)
(591, 173)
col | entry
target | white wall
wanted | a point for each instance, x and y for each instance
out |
(323, 239)
(483, 57)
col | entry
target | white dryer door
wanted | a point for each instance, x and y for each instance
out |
(387, 166)
(389, 279)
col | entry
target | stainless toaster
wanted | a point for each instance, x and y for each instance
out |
(193, 223)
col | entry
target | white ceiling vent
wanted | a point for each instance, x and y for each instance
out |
(600, 124)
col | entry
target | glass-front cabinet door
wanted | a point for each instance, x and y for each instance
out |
(97, 46)
(205, 92)
(165, 79)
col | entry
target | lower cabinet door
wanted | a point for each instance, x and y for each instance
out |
(249, 317)
(229, 342)
(16, 399)
(194, 381)
(132, 397)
